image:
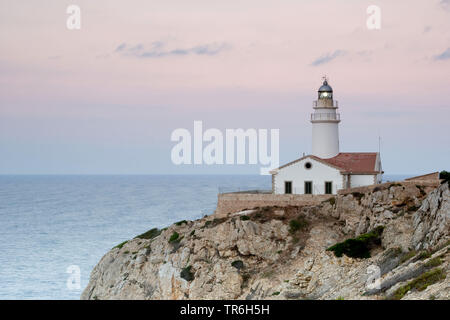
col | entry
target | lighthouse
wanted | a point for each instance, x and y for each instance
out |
(327, 169)
(325, 124)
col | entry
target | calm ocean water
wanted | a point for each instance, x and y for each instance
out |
(48, 223)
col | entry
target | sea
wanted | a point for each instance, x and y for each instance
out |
(55, 228)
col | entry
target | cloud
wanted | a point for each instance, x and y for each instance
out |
(443, 56)
(327, 57)
(158, 49)
(445, 4)
(120, 47)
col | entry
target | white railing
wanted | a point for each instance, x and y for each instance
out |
(325, 116)
(334, 104)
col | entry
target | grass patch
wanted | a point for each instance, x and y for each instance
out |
(408, 256)
(150, 234)
(424, 255)
(360, 246)
(433, 262)
(213, 223)
(187, 274)
(420, 283)
(174, 237)
(179, 223)
(297, 224)
(120, 245)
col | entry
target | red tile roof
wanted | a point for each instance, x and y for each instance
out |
(354, 162)
(347, 162)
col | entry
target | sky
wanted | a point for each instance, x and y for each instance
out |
(105, 99)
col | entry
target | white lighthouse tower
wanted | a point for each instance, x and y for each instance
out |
(325, 124)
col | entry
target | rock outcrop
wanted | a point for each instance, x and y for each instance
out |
(280, 253)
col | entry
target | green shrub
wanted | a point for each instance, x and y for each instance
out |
(150, 234)
(187, 274)
(276, 293)
(424, 255)
(297, 224)
(408, 256)
(238, 264)
(120, 245)
(433, 262)
(192, 233)
(360, 246)
(245, 218)
(445, 175)
(420, 283)
(174, 237)
(179, 223)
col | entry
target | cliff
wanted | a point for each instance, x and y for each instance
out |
(399, 232)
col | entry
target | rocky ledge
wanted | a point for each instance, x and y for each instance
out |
(391, 243)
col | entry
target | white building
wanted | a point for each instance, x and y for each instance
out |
(327, 170)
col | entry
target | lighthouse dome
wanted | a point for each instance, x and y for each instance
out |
(325, 87)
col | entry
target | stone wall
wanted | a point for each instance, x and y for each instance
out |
(382, 186)
(234, 202)
(426, 177)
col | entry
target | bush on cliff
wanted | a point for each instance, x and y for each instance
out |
(174, 237)
(445, 175)
(150, 234)
(297, 224)
(186, 274)
(360, 246)
(420, 283)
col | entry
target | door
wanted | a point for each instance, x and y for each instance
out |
(288, 187)
(308, 187)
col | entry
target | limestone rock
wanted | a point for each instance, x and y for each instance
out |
(278, 263)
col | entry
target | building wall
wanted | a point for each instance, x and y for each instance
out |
(298, 174)
(235, 202)
(325, 139)
(359, 180)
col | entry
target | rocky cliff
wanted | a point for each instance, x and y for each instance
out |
(281, 253)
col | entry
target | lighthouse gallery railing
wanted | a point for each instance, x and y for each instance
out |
(325, 116)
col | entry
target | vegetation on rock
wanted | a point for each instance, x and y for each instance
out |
(420, 283)
(150, 234)
(360, 246)
(297, 224)
(120, 245)
(187, 274)
(445, 175)
(174, 237)
(238, 264)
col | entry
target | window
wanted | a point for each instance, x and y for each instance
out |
(288, 187)
(308, 187)
(328, 187)
(308, 165)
